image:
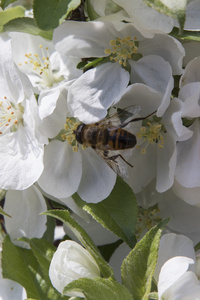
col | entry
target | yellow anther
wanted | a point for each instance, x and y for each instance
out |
(122, 49)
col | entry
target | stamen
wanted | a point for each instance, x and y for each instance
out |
(69, 135)
(147, 218)
(41, 66)
(10, 116)
(122, 49)
(150, 133)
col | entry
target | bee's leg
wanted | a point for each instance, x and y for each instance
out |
(114, 157)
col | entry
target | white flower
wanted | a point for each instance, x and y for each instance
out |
(146, 19)
(25, 207)
(68, 168)
(184, 218)
(176, 268)
(71, 262)
(98, 88)
(48, 71)
(21, 155)
(187, 176)
(154, 155)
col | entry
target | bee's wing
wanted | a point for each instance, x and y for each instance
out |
(122, 117)
(117, 166)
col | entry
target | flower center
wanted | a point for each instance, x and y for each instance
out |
(41, 66)
(69, 134)
(10, 116)
(147, 218)
(150, 133)
(122, 49)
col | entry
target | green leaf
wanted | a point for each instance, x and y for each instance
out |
(43, 252)
(139, 266)
(118, 212)
(2, 194)
(20, 265)
(171, 8)
(48, 13)
(10, 14)
(83, 237)
(27, 25)
(99, 289)
(2, 212)
(186, 35)
(24, 266)
(5, 3)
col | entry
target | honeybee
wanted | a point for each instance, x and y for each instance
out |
(107, 137)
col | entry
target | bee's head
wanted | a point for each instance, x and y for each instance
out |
(78, 133)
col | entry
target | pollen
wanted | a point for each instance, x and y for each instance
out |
(39, 64)
(122, 50)
(10, 116)
(151, 132)
(69, 135)
(147, 218)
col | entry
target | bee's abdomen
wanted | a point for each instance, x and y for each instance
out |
(120, 139)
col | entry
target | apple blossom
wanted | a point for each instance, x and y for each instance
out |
(49, 72)
(95, 90)
(176, 269)
(68, 168)
(71, 262)
(25, 207)
(21, 157)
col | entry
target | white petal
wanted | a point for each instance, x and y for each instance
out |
(184, 218)
(92, 93)
(11, 290)
(62, 170)
(192, 21)
(25, 207)
(185, 288)
(172, 120)
(167, 47)
(172, 271)
(173, 245)
(83, 39)
(21, 159)
(146, 19)
(10, 83)
(97, 179)
(148, 70)
(191, 73)
(54, 122)
(189, 195)
(166, 164)
(117, 258)
(188, 163)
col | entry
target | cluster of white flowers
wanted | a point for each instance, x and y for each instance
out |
(44, 96)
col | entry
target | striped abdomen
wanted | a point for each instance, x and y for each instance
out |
(120, 139)
(105, 138)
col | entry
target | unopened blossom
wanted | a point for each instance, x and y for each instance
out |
(21, 144)
(71, 262)
(129, 57)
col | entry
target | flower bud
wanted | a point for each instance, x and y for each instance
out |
(70, 262)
